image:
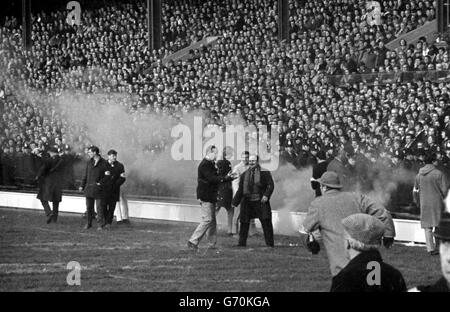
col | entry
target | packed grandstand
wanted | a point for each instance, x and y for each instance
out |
(334, 82)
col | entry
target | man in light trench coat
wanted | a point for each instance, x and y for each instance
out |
(327, 211)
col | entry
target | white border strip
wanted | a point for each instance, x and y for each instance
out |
(286, 223)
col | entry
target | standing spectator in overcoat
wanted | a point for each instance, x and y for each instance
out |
(255, 188)
(92, 184)
(430, 190)
(327, 211)
(114, 178)
(49, 178)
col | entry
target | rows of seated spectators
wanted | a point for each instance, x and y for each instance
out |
(247, 74)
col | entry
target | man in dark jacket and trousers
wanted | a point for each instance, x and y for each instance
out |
(255, 188)
(366, 271)
(225, 190)
(430, 190)
(92, 184)
(208, 182)
(442, 234)
(318, 170)
(114, 178)
(49, 177)
(340, 165)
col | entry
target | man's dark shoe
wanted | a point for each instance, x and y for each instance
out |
(49, 218)
(87, 227)
(126, 221)
(192, 245)
(55, 218)
(119, 222)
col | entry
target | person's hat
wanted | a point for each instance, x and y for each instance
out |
(442, 231)
(53, 149)
(364, 228)
(330, 179)
(112, 152)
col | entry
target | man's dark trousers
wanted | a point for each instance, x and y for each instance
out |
(100, 204)
(110, 206)
(48, 211)
(265, 223)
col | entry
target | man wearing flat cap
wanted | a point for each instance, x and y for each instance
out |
(327, 211)
(442, 235)
(366, 271)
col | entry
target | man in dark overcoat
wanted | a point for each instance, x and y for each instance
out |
(255, 188)
(49, 177)
(92, 184)
(225, 190)
(317, 171)
(340, 165)
(114, 178)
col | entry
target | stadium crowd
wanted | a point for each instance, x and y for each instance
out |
(246, 74)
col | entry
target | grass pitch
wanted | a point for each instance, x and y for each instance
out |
(151, 255)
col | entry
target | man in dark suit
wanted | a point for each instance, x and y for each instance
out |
(255, 188)
(208, 182)
(341, 166)
(92, 186)
(225, 191)
(114, 178)
(318, 170)
(49, 179)
(289, 155)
